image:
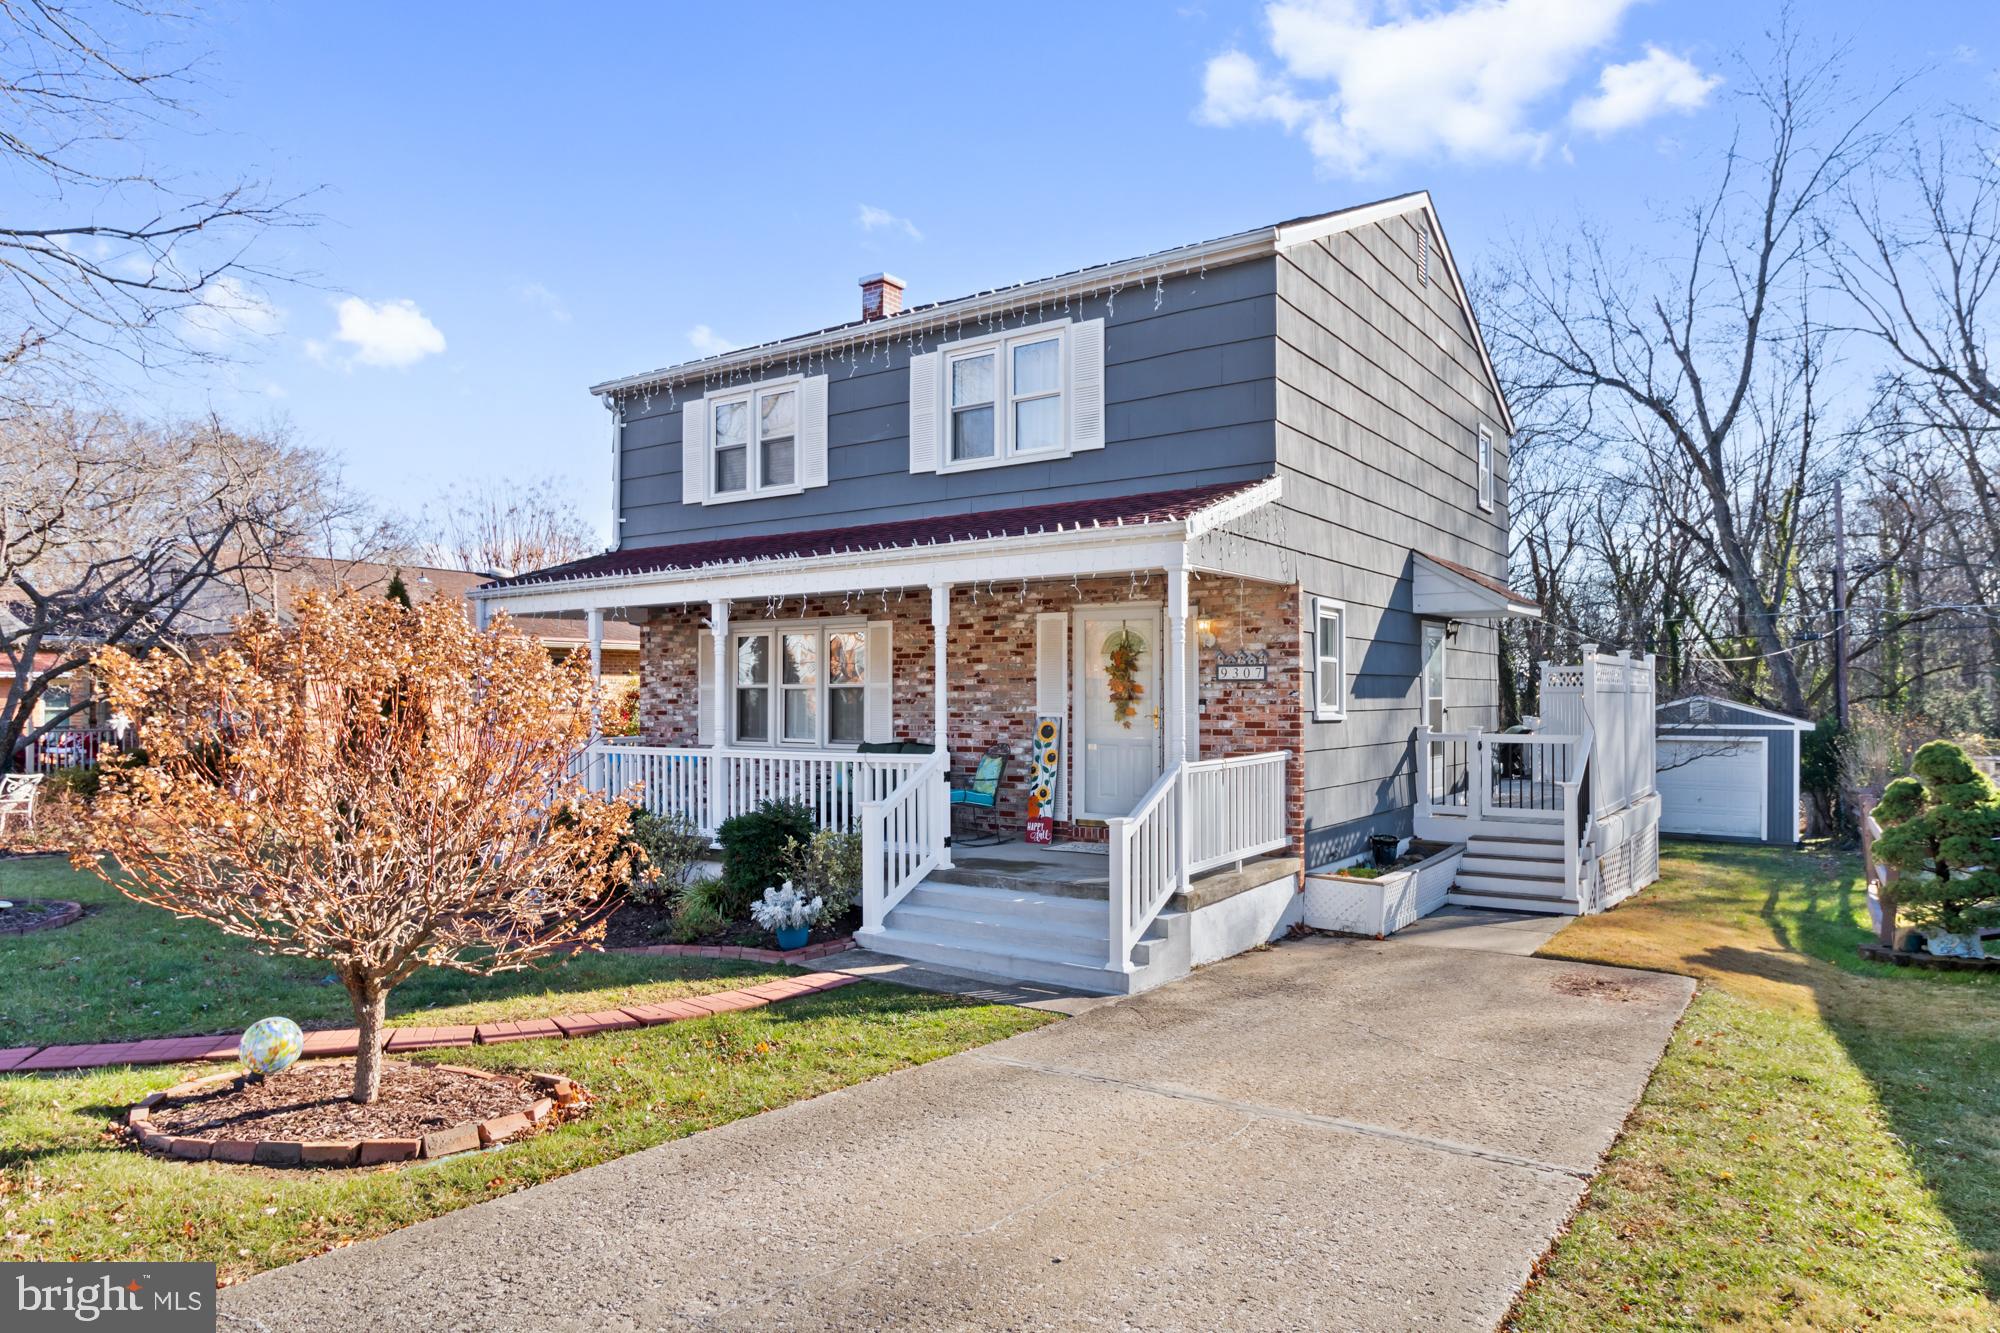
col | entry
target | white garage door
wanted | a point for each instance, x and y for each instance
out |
(1712, 786)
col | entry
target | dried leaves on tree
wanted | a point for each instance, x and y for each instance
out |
(376, 788)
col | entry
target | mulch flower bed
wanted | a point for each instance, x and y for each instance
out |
(1941, 962)
(303, 1117)
(1419, 850)
(26, 915)
(637, 925)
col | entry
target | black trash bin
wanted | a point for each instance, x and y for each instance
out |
(1383, 847)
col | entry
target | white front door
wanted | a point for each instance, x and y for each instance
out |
(1118, 687)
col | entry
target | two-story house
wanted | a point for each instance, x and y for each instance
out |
(1197, 541)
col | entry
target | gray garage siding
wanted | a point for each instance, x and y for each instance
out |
(1781, 756)
(1189, 399)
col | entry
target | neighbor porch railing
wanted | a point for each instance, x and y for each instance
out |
(707, 787)
(71, 747)
(1196, 817)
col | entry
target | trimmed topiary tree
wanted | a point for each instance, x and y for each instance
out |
(1939, 827)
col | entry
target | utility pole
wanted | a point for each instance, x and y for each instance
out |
(1839, 606)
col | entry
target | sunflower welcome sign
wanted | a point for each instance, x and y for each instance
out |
(1048, 767)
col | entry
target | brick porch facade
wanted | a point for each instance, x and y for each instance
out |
(990, 649)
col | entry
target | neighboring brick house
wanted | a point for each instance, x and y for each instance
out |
(1232, 517)
(275, 590)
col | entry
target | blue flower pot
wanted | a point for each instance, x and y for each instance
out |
(794, 937)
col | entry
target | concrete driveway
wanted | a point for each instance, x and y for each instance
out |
(1328, 1134)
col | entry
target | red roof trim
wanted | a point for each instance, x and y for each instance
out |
(906, 534)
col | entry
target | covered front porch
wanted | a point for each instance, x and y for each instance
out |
(870, 685)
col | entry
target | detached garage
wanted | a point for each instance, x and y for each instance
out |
(1728, 771)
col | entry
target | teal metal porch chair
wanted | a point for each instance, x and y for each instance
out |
(982, 793)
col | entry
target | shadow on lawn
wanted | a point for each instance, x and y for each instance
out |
(1928, 1042)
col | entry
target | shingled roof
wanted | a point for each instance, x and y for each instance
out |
(903, 534)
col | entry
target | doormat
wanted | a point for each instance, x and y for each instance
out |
(1087, 848)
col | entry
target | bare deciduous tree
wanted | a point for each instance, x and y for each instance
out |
(501, 526)
(110, 528)
(377, 788)
(99, 254)
(1711, 375)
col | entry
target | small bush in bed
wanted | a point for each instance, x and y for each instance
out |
(756, 852)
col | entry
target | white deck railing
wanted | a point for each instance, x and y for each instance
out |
(71, 747)
(903, 838)
(707, 787)
(1505, 775)
(1196, 817)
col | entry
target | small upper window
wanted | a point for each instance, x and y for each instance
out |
(1329, 659)
(756, 439)
(1485, 468)
(1006, 399)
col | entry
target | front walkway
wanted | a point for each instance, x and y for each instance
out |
(1325, 1134)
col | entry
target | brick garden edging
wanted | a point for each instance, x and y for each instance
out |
(800, 955)
(343, 1041)
(559, 1092)
(66, 914)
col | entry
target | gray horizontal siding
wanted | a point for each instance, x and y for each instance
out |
(1190, 397)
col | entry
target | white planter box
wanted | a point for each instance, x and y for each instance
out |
(1384, 905)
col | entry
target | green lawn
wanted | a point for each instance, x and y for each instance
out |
(128, 971)
(69, 1190)
(1820, 1146)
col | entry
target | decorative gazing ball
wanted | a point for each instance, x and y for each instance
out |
(270, 1045)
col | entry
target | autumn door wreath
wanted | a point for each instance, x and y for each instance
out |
(1122, 649)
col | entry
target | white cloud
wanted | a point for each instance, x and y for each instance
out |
(1365, 82)
(708, 342)
(226, 312)
(535, 294)
(870, 218)
(387, 333)
(1638, 90)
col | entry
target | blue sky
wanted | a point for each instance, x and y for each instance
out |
(516, 207)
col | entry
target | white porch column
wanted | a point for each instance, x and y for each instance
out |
(482, 613)
(594, 620)
(1176, 664)
(940, 626)
(718, 628)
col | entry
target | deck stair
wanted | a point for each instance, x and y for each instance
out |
(1514, 872)
(1030, 915)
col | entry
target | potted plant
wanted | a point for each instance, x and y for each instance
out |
(788, 913)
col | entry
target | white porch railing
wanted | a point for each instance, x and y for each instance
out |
(903, 838)
(71, 747)
(1197, 816)
(707, 787)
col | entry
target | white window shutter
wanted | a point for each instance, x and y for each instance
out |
(1086, 385)
(812, 432)
(879, 697)
(1193, 691)
(1052, 689)
(694, 452)
(704, 692)
(924, 403)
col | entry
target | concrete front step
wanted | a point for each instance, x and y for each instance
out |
(1513, 902)
(1019, 962)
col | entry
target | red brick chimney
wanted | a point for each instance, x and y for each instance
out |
(881, 296)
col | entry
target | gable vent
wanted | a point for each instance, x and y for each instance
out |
(1423, 255)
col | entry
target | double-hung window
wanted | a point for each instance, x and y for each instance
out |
(803, 685)
(1329, 660)
(1006, 399)
(755, 442)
